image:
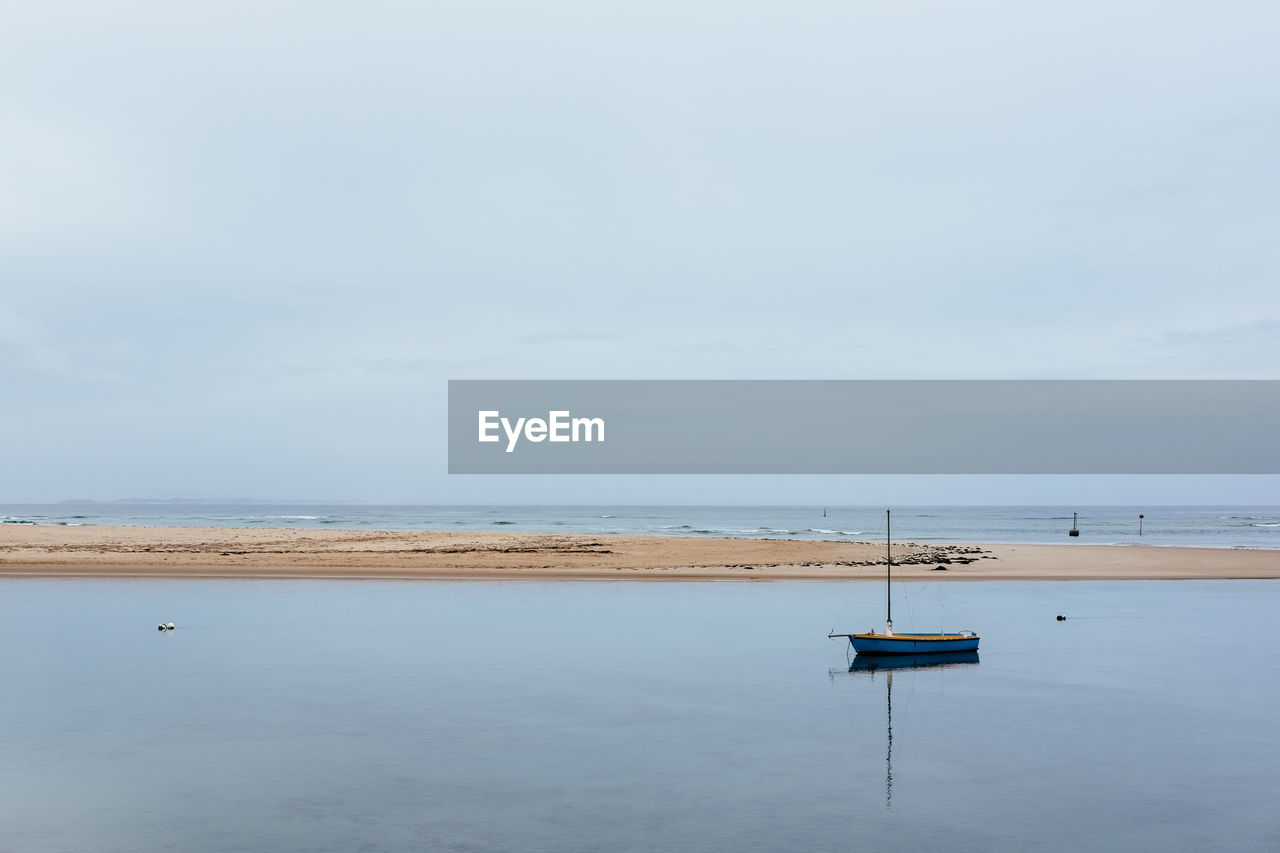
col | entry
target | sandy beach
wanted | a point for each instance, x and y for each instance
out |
(219, 552)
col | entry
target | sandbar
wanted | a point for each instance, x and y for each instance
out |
(224, 552)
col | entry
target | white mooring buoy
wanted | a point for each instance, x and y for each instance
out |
(169, 626)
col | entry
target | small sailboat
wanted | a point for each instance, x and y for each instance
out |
(889, 643)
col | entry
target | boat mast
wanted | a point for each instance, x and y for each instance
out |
(888, 576)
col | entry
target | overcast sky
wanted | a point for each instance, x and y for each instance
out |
(243, 246)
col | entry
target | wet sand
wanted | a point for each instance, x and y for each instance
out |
(220, 552)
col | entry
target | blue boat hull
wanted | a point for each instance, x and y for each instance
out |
(912, 644)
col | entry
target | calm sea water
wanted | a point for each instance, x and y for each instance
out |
(1209, 526)
(317, 716)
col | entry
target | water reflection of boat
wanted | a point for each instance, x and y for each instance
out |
(873, 663)
(890, 643)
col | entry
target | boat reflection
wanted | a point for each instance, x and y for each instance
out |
(870, 665)
(874, 663)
